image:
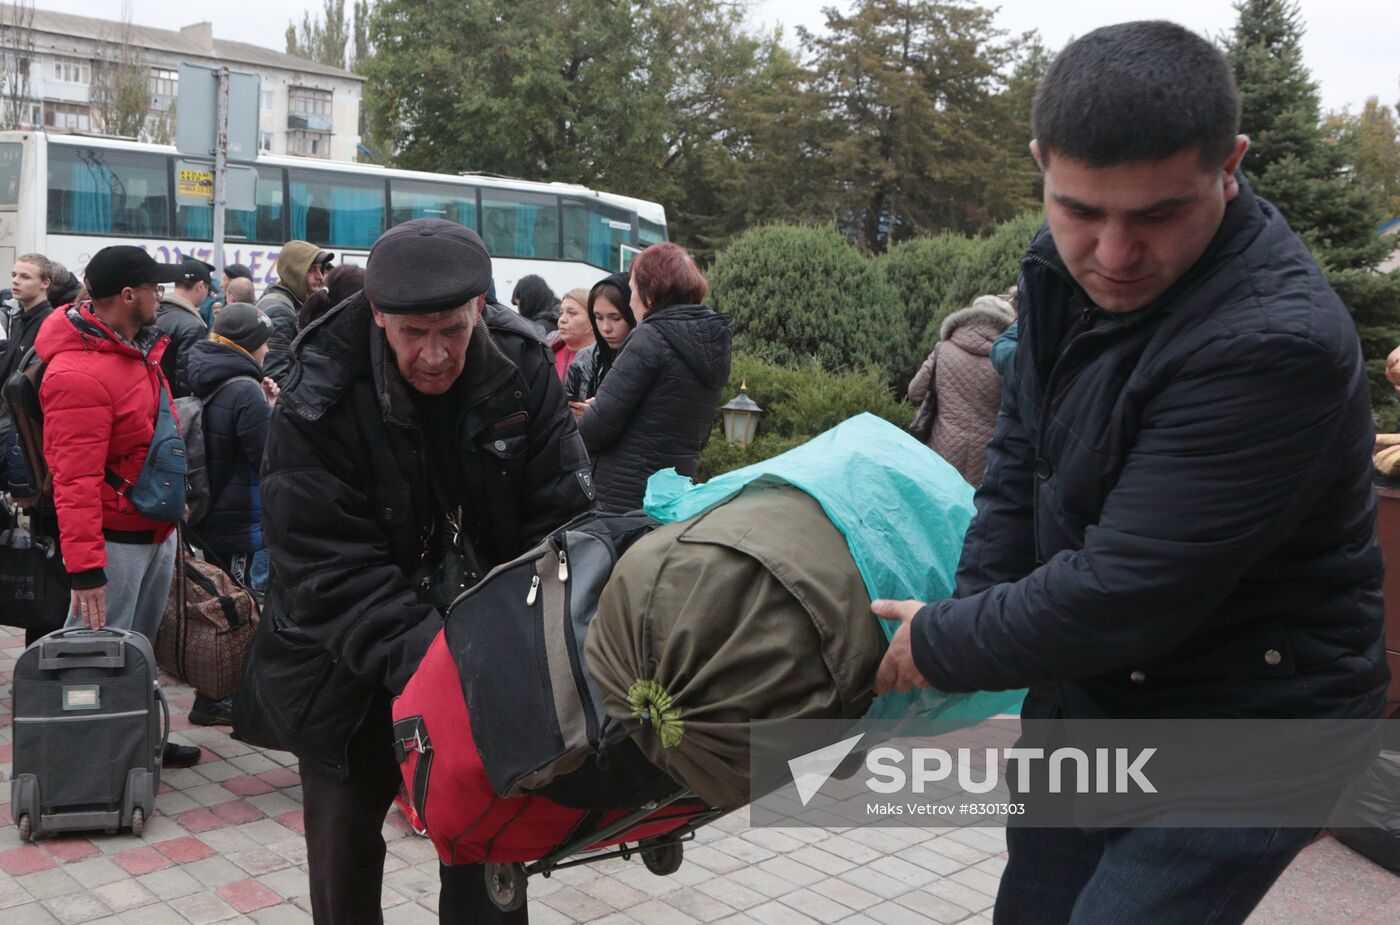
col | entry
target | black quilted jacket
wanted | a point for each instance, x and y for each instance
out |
(1177, 518)
(657, 404)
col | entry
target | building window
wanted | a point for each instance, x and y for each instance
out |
(309, 102)
(269, 101)
(164, 82)
(73, 117)
(72, 71)
(309, 110)
(265, 142)
(310, 144)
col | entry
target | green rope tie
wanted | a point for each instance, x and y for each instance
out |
(649, 701)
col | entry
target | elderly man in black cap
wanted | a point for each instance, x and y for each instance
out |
(420, 438)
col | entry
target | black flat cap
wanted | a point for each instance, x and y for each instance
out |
(426, 265)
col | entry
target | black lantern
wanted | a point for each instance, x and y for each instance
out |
(741, 417)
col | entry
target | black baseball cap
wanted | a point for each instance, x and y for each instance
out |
(323, 259)
(194, 270)
(426, 265)
(114, 268)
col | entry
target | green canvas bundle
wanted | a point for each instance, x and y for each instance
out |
(709, 624)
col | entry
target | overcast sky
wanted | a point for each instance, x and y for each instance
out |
(1350, 45)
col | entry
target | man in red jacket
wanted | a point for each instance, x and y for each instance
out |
(99, 396)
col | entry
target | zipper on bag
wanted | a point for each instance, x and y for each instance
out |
(534, 591)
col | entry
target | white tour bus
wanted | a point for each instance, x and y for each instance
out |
(68, 196)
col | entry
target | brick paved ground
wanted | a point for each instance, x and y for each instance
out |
(226, 846)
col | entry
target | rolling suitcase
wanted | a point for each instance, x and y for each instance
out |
(90, 724)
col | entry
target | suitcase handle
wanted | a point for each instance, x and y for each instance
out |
(165, 720)
(58, 652)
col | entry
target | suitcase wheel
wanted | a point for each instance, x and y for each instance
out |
(663, 859)
(138, 821)
(26, 832)
(505, 884)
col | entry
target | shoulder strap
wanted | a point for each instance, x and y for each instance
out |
(109, 475)
(220, 387)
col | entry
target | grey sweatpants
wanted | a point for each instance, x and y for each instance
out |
(138, 584)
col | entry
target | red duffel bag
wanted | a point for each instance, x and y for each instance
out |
(454, 799)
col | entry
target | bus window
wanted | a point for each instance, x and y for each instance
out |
(11, 156)
(263, 226)
(409, 199)
(336, 210)
(592, 232)
(516, 224)
(650, 233)
(98, 191)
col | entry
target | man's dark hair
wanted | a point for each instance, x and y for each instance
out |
(1137, 91)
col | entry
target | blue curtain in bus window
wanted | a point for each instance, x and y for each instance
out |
(357, 216)
(198, 221)
(600, 240)
(87, 207)
(525, 216)
(301, 205)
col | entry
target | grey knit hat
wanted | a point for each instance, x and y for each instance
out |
(243, 324)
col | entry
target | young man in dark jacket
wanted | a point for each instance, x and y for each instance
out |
(301, 268)
(179, 319)
(20, 318)
(1177, 520)
(413, 430)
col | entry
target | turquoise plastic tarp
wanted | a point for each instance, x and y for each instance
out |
(903, 510)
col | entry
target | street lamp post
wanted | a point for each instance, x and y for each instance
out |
(741, 416)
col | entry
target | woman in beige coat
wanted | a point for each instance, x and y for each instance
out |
(957, 388)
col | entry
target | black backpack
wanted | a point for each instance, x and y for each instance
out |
(21, 396)
(199, 497)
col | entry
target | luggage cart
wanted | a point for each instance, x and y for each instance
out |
(506, 884)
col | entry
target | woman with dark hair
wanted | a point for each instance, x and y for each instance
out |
(657, 405)
(610, 315)
(536, 303)
(340, 284)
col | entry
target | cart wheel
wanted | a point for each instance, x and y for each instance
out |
(26, 832)
(505, 884)
(138, 821)
(663, 859)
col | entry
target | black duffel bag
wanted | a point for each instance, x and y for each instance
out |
(1370, 814)
(34, 589)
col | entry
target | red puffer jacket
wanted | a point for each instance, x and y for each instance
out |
(99, 399)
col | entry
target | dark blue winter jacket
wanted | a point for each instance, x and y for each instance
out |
(235, 432)
(1177, 518)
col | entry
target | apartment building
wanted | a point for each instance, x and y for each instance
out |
(307, 109)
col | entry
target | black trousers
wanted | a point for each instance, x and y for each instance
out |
(345, 848)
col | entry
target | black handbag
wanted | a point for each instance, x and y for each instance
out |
(34, 586)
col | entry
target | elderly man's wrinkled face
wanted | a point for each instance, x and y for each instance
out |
(431, 350)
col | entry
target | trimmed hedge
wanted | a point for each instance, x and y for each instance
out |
(798, 403)
(798, 293)
(936, 276)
